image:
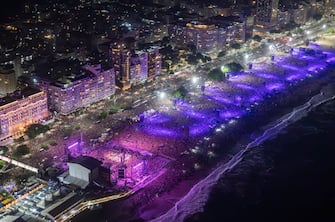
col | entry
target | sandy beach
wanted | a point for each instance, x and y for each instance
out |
(160, 204)
(162, 194)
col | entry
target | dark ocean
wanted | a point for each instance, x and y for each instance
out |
(290, 177)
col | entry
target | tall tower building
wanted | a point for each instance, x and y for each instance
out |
(154, 63)
(266, 13)
(120, 60)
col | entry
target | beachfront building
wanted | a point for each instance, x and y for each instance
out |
(205, 37)
(299, 14)
(213, 35)
(20, 109)
(284, 16)
(233, 27)
(138, 67)
(154, 62)
(266, 13)
(70, 93)
(134, 66)
(120, 60)
(7, 80)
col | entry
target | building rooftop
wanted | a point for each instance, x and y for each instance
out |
(7, 69)
(17, 95)
(87, 161)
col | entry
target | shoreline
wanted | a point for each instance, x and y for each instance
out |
(160, 200)
(154, 200)
(224, 167)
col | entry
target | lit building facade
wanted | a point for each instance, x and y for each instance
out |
(120, 59)
(154, 62)
(73, 93)
(205, 38)
(299, 14)
(20, 109)
(266, 13)
(139, 67)
(222, 31)
(132, 67)
(284, 17)
(7, 80)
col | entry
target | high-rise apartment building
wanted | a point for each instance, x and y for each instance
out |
(205, 37)
(7, 80)
(154, 62)
(214, 35)
(120, 60)
(266, 13)
(132, 67)
(139, 67)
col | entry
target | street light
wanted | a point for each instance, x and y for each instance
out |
(324, 26)
(162, 95)
(195, 80)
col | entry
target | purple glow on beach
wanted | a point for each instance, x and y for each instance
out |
(233, 97)
(220, 99)
(290, 67)
(293, 77)
(194, 114)
(244, 86)
(157, 118)
(331, 60)
(199, 129)
(228, 114)
(274, 86)
(162, 131)
(255, 98)
(315, 68)
(266, 76)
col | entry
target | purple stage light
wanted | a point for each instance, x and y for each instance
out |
(73, 145)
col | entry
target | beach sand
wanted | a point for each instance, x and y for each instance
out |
(161, 204)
